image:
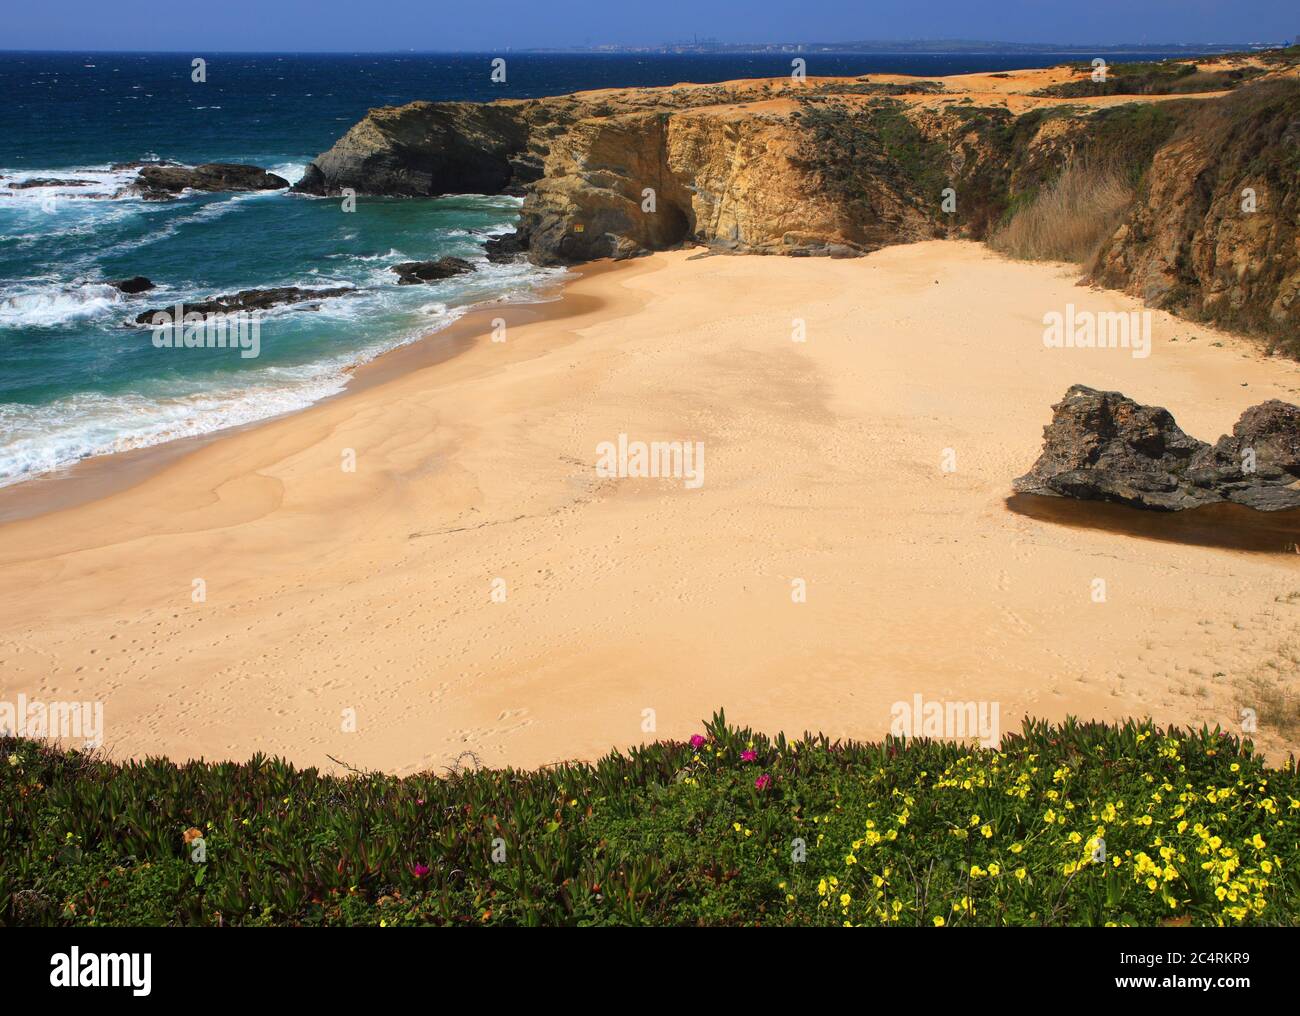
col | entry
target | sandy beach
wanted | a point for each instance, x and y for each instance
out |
(475, 586)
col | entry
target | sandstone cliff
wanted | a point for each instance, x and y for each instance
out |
(845, 166)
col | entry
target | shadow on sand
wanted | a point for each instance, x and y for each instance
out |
(1229, 526)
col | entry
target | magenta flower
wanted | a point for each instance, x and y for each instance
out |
(763, 782)
(697, 740)
(419, 870)
(749, 755)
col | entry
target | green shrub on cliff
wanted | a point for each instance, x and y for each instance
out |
(1163, 78)
(1063, 825)
(857, 149)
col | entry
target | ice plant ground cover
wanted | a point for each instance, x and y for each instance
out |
(1076, 824)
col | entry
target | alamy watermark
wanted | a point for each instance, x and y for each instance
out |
(677, 460)
(1086, 329)
(952, 720)
(65, 721)
(177, 329)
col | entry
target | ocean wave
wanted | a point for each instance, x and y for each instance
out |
(380, 316)
(37, 439)
(40, 439)
(53, 306)
(291, 171)
(100, 182)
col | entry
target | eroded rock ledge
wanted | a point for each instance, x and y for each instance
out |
(1103, 446)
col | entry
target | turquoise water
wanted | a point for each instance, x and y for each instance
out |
(79, 382)
(76, 381)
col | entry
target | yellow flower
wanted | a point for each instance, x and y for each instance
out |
(939, 922)
(1021, 873)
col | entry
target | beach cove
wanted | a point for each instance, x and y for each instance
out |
(475, 586)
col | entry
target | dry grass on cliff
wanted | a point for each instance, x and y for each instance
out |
(1069, 218)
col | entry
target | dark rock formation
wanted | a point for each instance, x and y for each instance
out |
(161, 181)
(131, 286)
(502, 250)
(248, 300)
(412, 273)
(48, 181)
(428, 149)
(1103, 446)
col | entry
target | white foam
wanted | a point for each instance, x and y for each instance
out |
(52, 306)
(291, 171)
(104, 182)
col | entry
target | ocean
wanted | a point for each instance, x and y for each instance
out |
(76, 381)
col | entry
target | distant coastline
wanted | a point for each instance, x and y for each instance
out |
(706, 47)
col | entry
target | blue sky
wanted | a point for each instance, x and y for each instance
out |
(495, 25)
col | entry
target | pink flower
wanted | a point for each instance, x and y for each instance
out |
(697, 740)
(763, 782)
(749, 755)
(419, 870)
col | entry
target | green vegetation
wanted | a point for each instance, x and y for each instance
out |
(1162, 78)
(1078, 824)
(865, 86)
(1129, 136)
(856, 149)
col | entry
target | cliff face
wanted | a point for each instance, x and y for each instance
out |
(1215, 232)
(649, 181)
(761, 167)
(841, 167)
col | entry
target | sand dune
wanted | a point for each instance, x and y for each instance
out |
(329, 591)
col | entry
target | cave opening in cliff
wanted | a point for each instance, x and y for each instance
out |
(675, 227)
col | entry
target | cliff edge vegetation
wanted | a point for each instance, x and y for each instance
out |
(1076, 824)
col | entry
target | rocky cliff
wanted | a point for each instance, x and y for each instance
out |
(845, 166)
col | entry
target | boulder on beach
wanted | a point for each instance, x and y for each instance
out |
(412, 273)
(1103, 446)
